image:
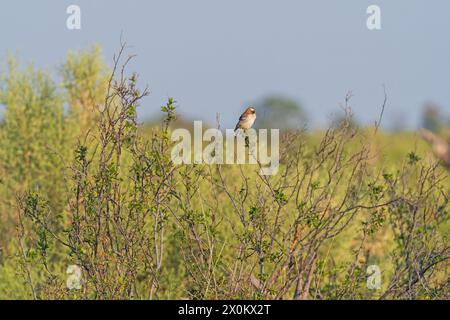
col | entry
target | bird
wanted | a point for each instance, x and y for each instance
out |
(246, 120)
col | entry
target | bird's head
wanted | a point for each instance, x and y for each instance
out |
(250, 110)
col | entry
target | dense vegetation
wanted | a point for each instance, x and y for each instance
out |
(82, 183)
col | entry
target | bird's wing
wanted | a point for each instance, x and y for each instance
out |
(243, 117)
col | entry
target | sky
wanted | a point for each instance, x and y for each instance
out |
(219, 56)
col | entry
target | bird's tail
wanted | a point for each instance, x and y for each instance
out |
(236, 130)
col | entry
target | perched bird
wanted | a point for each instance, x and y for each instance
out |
(246, 120)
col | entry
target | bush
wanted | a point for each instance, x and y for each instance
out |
(139, 227)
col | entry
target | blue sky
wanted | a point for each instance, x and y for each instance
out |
(217, 56)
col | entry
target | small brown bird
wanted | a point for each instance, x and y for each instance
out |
(246, 120)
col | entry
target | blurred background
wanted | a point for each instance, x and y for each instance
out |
(220, 56)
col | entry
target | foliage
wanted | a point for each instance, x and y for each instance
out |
(432, 119)
(280, 112)
(109, 200)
